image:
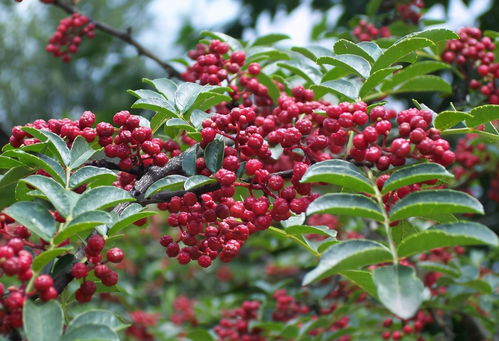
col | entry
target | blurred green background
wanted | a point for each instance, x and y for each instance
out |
(34, 84)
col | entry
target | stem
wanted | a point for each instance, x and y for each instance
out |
(386, 220)
(296, 239)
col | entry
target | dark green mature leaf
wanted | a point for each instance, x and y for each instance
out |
(97, 317)
(344, 46)
(45, 257)
(130, 215)
(371, 49)
(372, 7)
(99, 198)
(189, 160)
(55, 141)
(165, 86)
(214, 155)
(200, 335)
(342, 88)
(309, 73)
(413, 70)
(54, 192)
(375, 79)
(346, 204)
(414, 174)
(197, 181)
(431, 202)
(144, 93)
(399, 289)
(402, 230)
(40, 161)
(7, 162)
(88, 174)
(163, 108)
(273, 90)
(364, 279)
(338, 172)
(449, 118)
(480, 285)
(270, 39)
(334, 73)
(424, 83)
(453, 234)
(12, 176)
(170, 182)
(312, 52)
(347, 255)
(83, 222)
(398, 50)
(90, 332)
(483, 114)
(80, 152)
(352, 63)
(186, 94)
(34, 216)
(440, 267)
(42, 322)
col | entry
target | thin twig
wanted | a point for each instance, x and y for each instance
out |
(126, 36)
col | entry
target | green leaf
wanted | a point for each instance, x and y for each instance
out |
(96, 317)
(344, 46)
(80, 152)
(350, 62)
(45, 257)
(206, 100)
(338, 172)
(42, 322)
(200, 335)
(430, 202)
(312, 52)
(346, 204)
(176, 125)
(347, 255)
(270, 39)
(214, 155)
(197, 117)
(424, 83)
(99, 198)
(453, 234)
(480, 285)
(34, 216)
(398, 50)
(309, 73)
(375, 79)
(54, 192)
(83, 222)
(55, 141)
(343, 89)
(363, 279)
(12, 176)
(371, 49)
(7, 162)
(89, 174)
(399, 289)
(449, 118)
(130, 215)
(483, 114)
(372, 7)
(189, 160)
(186, 94)
(197, 181)
(434, 34)
(273, 90)
(440, 267)
(144, 93)
(402, 230)
(413, 70)
(416, 173)
(165, 86)
(307, 229)
(90, 332)
(41, 162)
(170, 182)
(164, 110)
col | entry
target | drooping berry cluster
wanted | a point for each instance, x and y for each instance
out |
(95, 245)
(365, 31)
(410, 11)
(398, 329)
(69, 34)
(16, 262)
(474, 56)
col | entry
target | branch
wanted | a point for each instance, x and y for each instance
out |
(138, 171)
(125, 36)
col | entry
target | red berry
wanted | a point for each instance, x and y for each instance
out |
(115, 255)
(43, 282)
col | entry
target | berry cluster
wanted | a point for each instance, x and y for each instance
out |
(95, 245)
(399, 329)
(474, 56)
(69, 34)
(183, 311)
(16, 261)
(140, 322)
(235, 324)
(410, 11)
(365, 31)
(287, 308)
